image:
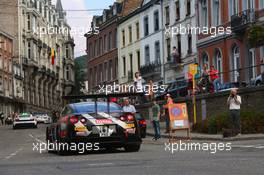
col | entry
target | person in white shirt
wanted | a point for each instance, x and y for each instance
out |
(138, 82)
(128, 107)
(234, 102)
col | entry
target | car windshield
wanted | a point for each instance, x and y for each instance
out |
(101, 107)
(24, 115)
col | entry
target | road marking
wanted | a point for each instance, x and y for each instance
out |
(249, 146)
(100, 164)
(38, 140)
(13, 154)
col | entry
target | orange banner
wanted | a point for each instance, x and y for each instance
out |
(178, 116)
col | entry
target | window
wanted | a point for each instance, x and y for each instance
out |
(29, 49)
(1, 62)
(146, 26)
(105, 43)
(177, 6)
(248, 4)
(233, 7)
(188, 8)
(95, 48)
(67, 73)
(137, 28)
(205, 59)
(235, 62)
(157, 51)
(204, 16)
(110, 70)
(261, 4)
(189, 43)
(168, 49)
(105, 71)
(252, 64)
(100, 46)
(124, 66)
(167, 15)
(131, 63)
(218, 62)
(67, 51)
(179, 47)
(1, 83)
(130, 34)
(101, 73)
(138, 59)
(216, 12)
(28, 22)
(156, 21)
(123, 37)
(147, 56)
(110, 41)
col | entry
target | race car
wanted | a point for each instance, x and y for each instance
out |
(25, 119)
(104, 123)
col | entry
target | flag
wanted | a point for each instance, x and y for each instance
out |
(53, 56)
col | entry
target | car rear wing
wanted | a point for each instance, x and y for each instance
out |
(100, 96)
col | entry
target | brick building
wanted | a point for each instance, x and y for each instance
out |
(230, 53)
(6, 76)
(102, 48)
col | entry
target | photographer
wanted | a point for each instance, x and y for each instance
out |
(234, 102)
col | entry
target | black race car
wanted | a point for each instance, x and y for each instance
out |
(95, 122)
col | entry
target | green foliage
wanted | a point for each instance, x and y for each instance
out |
(256, 35)
(251, 122)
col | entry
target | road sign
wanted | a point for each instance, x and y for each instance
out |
(193, 69)
(178, 116)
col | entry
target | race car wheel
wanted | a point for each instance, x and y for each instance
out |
(132, 148)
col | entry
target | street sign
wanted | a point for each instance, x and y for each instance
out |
(193, 69)
(178, 116)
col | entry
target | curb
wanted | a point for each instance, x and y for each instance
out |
(213, 139)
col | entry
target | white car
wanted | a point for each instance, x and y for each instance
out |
(43, 118)
(25, 119)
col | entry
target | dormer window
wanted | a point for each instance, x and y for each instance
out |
(114, 10)
(104, 16)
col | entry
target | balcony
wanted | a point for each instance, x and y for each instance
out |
(240, 21)
(150, 70)
(174, 64)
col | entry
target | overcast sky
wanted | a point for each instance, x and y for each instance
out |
(81, 20)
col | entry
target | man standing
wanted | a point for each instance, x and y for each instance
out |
(128, 107)
(156, 119)
(168, 101)
(234, 102)
(2, 117)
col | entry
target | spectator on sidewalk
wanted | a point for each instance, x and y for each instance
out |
(150, 91)
(168, 101)
(2, 117)
(156, 119)
(215, 78)
(138, 82)
(128, 107)
(234, 102)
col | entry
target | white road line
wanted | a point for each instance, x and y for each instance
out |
(13, 154)
(100, 164)
(38, 140)
(249, 146)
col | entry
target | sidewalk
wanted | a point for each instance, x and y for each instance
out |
(200, 136)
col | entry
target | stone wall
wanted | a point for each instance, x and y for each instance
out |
(211, 104)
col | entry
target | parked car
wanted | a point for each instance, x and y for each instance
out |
(43, 118)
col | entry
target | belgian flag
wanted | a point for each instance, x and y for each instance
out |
(53, 55)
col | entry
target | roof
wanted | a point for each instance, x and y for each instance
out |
(59, 9)
(130, 6)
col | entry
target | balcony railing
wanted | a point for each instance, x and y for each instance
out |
(240, 21)
(150, 69)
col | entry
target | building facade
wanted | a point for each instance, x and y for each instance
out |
(102, 48)
(6, 76)
(39, 28)
(129, 35)
(231, 52)
(179, 14)
(151, 41)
